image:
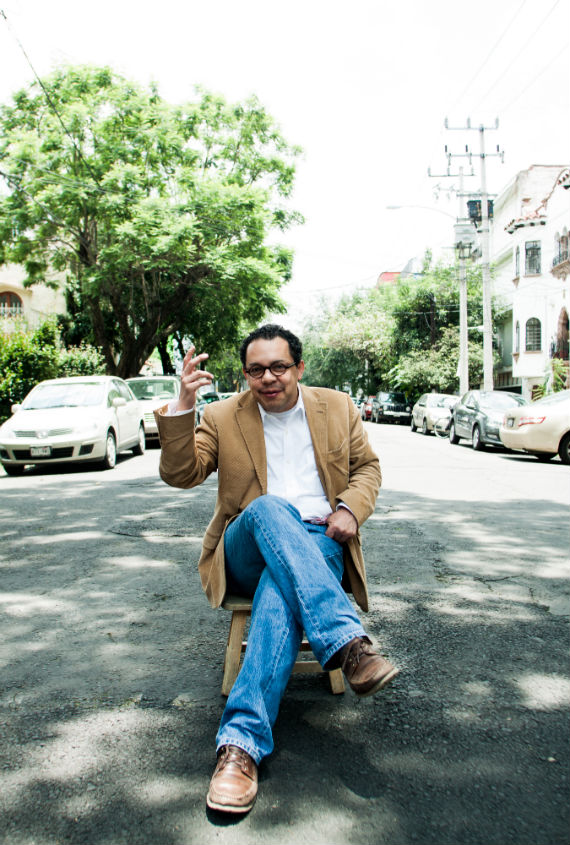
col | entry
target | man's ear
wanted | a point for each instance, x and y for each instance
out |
(301, 368)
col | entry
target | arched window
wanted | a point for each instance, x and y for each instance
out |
(533, 339)
(517, 337)
(10, 304)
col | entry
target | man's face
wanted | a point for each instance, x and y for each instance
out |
(274, 393)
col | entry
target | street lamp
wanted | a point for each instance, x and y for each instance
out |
(426, 207)
(464, 242)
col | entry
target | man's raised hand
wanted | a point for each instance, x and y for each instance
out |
(192, 379)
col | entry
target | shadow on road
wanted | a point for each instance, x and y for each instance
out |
(112, 660)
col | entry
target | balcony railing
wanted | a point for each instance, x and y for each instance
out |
(560, 257)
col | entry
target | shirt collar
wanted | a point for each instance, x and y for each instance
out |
(298, 406)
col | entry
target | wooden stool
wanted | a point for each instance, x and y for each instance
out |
(241, 609)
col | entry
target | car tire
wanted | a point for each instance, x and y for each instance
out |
(564, 449)
(139, 449)
(413, 426)
(17, 469)
(453, 438)
(476, 441)
(110, 459)
(425, 429)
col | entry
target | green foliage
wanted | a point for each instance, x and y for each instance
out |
(555, 379)
(403, 336)
(158, 215)
(29, 357)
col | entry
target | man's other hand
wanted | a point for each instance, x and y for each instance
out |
(192, 379)
(341, 525)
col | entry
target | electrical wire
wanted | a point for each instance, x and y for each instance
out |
(533, 80)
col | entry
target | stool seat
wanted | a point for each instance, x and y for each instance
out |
(306, 663)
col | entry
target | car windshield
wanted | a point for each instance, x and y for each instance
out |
(500, 401)
(154, 388)
(68, 395)
(393, 397)
(446, 401)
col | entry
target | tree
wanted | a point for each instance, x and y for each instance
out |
(158, 215)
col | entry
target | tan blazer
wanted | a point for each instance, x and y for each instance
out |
(230, 439)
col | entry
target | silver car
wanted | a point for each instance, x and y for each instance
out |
(430, 408)
(81, 418)
(153, 392)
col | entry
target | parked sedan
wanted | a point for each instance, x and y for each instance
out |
(430, 408)
(202, 400)
(479, 414)
(153, 392)
(541, 428)
(83, 418)
(391, 406)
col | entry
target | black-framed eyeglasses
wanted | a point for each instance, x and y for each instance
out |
(277, 368)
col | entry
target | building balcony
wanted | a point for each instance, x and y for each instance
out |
(561, 264)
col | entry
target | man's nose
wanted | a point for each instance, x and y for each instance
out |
(267, 375)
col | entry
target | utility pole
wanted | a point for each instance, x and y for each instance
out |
(485, 246)
(463, 244)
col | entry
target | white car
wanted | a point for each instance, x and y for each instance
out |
(81, 418)
(430, 408)
(153, 392)
(541, 428)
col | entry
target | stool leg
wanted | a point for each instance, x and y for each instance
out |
(233, 650)
(336, 681)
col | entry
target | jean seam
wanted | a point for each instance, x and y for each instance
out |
(275, 551)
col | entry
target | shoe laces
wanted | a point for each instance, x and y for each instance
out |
(233, 754)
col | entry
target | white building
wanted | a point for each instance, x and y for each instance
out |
(26, 306)
(529, 250)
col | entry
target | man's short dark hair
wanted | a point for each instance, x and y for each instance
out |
(269, 332)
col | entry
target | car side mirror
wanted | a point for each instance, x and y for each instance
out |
(118, 402)
(15, 407)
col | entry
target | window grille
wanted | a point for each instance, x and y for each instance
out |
(518, 337)
(532, 258)
(517, 262)
(533, 342)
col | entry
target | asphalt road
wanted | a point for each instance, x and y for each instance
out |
(111, 664)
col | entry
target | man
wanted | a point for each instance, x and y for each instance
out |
(296, 479)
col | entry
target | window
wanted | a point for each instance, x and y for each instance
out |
(517, 262)
(532, 258)
(517, 337)
(533, 341)
(10, 305)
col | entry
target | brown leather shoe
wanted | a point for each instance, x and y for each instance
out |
(233, 787)
(365, 670)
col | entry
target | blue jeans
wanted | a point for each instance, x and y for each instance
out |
(293, 571)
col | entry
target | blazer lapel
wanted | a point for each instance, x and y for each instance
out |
(251, 427)
(316, 410)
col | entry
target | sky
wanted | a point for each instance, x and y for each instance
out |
(364, 88)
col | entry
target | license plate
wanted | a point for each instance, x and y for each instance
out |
(40, 451)
(510, 422)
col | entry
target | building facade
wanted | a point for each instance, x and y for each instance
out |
(28, 307)
(529, 251)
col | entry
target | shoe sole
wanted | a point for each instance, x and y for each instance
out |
(379, 685)
(229, 808)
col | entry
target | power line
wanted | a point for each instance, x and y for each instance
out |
(522, 49)
(490, 53)
(533, 80)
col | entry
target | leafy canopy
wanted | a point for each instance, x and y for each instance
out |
(158, 215)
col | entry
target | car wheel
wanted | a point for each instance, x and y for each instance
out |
(141, 444)
(476, 441)
(564, 449)
(17, 469)
(413, 426)
(453, 438)
(424, 426)
(110, 458)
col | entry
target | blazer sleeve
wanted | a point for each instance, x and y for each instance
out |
(365, 476)
(188, 454)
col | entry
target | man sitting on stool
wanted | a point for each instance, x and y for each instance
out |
(296, 479)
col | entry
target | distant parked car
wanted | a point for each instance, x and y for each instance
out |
(366, 408)
(201, 401)
(430, 408)
(81, 418)
(541, 428)
(478, 416)
(153, 392)
(227, 395)
(391, 406)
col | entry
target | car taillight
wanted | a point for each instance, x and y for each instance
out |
(530, 421)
